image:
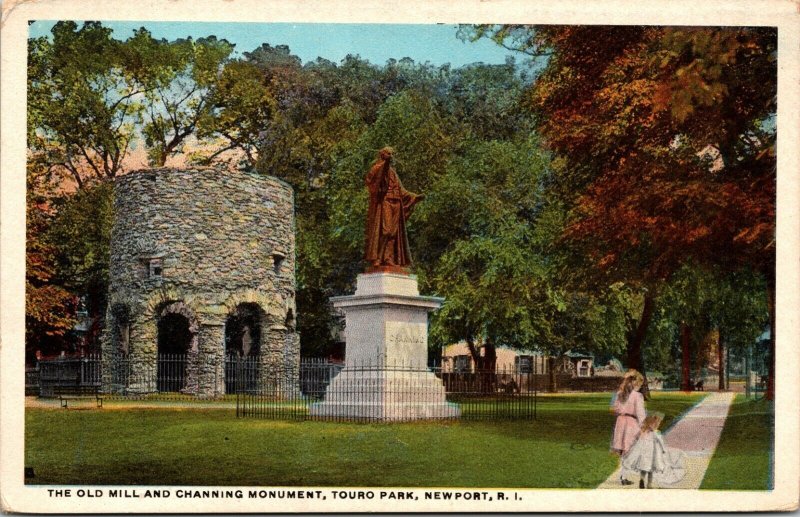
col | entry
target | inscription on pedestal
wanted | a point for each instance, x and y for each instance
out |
(405, 346)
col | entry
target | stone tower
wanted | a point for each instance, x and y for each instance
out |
(202, 265)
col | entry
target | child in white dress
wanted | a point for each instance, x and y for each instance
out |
(652, 458)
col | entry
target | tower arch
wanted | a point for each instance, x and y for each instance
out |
(189, 248)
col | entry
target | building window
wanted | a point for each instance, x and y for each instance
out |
(524, 364)
(277, 261)
(156, 268)
(461, 363)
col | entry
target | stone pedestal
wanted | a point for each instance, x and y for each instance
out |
(385, 375)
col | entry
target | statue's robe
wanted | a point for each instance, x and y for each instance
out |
(390, 205)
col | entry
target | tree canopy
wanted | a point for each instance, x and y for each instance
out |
(617, 183)
(668, 134)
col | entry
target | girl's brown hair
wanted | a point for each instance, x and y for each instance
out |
(652, 421)
(630, 378)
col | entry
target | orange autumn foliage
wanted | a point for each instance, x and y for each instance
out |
(639, 112)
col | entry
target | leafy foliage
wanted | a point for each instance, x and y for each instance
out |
(668, 140)
(49, 307)
(180, 84)
(81, 106)
(81, 234)
(93, 98)
(566, 203)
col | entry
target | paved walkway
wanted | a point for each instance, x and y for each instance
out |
(697, 434)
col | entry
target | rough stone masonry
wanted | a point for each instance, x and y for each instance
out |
(200, 247)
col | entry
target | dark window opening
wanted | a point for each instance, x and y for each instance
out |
(243, 331)
(462, 363)
(156, 268)
(277, 262)
(524, 364)
(174, 341)
(242, 347)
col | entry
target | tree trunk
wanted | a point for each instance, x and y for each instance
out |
(473, 352)
(489, 362)
(770, 395)
(686, 376)
(721, 361)
(635, 359)
(96, 307)
(489, 356)
(551, 366)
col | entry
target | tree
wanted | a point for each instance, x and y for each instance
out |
(80, 234)
(740, 311)
(683, 318)
(461, 136)
(487, 98)
(332, 160)
(241, 107)
(702, 308)
(668, 134)
(92, 98)
(325, 129)
(488, 219)
(49, 308)
(178, 80)
(81, 109)
(310, 127)
(423, 140)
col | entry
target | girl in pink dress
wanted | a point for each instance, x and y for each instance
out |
(628, 405)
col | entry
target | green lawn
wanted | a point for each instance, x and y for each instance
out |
(743, 459)
(567, 446)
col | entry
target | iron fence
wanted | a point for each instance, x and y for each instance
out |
(315, 376)
(32, 380)
(284, 391)
(504, 393)
(166, 377)
(390, 393)
(68, 372)
(171, 375)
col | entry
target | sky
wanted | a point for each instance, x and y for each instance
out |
(377, 43)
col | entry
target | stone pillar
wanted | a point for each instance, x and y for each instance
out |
(210, 361)
(143, 357)
(107, 358)
(270, 367)
(291, 362)
(385, 375)
(191, 376)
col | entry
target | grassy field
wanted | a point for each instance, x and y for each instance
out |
(743, 459)
(567, 447)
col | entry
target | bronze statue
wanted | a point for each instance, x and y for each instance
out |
(389, 207)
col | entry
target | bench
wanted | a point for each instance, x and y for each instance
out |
(509, 388)
(67, 393)
(699, 385)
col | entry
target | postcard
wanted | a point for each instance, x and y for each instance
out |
(349, 256)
